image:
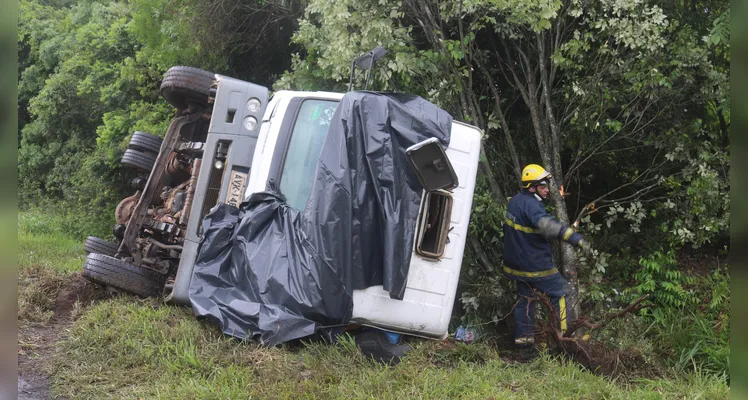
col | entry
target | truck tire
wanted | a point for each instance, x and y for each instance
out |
(183, 86)
(110, 271)
(138, 159)
(100, 246)
(144, 142)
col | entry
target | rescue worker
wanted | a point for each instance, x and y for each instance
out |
(528, 229)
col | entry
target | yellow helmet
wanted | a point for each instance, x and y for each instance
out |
(533, 173)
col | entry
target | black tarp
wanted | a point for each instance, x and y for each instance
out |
(267, 269)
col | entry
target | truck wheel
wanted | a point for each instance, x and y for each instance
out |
(110, 271)
(100, 246)
(144, 142)
(138, 159)
(183, 86)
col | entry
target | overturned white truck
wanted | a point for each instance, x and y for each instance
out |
(231, 142)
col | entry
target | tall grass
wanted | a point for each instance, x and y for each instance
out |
(687, 340)
(45, 241)
(61, 220)
(698, 338)
(127, 349)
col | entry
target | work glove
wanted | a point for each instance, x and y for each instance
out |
(586, 247)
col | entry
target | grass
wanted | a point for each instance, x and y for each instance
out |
(688, 339)
(43, 242)
(705, 345)
(46, 258)
(125, 348)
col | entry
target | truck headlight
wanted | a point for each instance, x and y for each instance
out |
(250, 123)
(253, 105)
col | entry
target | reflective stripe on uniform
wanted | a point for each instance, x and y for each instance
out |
(567, 234)
(524, 340)
(538, 274)
(519, 227)
(562, 312)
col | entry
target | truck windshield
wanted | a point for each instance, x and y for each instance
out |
(309, 132)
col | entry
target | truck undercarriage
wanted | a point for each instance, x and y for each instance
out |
(153, 223)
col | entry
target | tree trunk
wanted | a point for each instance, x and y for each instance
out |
(504, 125)
(547, 133)
(570, 263)
(485, 168)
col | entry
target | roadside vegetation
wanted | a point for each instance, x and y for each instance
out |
(48, 257)
(625, 102)
(117, 346)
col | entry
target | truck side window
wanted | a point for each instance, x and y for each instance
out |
(309, 133)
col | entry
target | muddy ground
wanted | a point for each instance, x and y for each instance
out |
(37, 342)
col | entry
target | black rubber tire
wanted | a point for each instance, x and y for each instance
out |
(138, 159)
(100, 246)
(145, 142)
(183, 86)
(110, 271)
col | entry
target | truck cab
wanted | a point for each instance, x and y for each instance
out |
(242, 141)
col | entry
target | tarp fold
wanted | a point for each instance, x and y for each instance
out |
(266, 269)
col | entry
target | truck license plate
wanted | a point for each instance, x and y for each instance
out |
(237, 184)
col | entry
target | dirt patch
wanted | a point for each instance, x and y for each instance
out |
(37, 340)
(78, 292)
(34, 353)
(33, 386)
(594, 356)
(613, 363)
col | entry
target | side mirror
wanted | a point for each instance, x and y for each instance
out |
(432, 165)
(366, 61)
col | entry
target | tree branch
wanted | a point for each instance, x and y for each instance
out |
(631, 308)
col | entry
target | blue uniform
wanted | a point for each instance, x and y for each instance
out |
(528, 259)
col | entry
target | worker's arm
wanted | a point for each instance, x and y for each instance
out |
(551, 229)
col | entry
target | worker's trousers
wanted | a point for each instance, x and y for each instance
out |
(527, 298)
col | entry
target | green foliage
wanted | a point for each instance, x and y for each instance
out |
(683, 162)
(644, 119)
(90, 41)
(698, 339)
(698, 210)
(329, 51)
(703, 346)
(69, 222)
(167, 33)
(89, 81)
(486, 296)
(641, 92)
(690, 339)
(687, 330)
(720, 32)
(487, 217)
(664, 284)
